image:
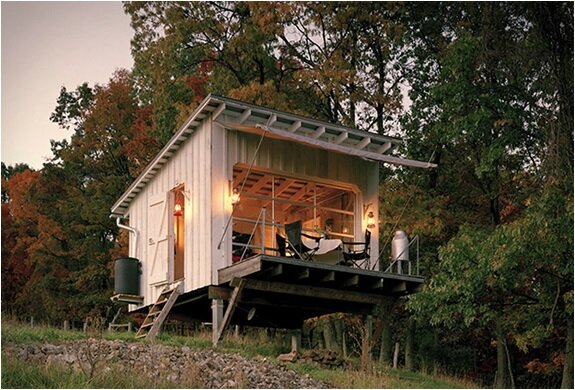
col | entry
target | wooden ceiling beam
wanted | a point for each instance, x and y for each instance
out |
(309, 291)
(296, 125)
(363, 143)
(238, 180)
(259, 184)
(245, 115)
(283, 187)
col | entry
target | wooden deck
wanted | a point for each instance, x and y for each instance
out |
(301, 272)
(281, 292)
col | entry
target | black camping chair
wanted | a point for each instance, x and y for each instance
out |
(357, 253)
(296, 246)
(239, 243)
(281, 241)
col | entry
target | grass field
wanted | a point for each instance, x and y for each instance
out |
(19, 374)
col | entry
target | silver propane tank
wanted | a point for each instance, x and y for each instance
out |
(400, 249)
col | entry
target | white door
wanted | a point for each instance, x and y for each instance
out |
(159, 239)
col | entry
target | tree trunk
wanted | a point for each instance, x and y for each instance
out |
(366, 344)
(409, 364)
(567, 381)
(503, 378)
(329, 337)
(338, 328)
(386, 344)
(396, 355)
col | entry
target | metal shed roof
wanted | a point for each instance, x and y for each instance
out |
(234, 114)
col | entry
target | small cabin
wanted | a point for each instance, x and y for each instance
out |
(214, 213)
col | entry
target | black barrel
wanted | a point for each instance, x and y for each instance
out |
(127, 276)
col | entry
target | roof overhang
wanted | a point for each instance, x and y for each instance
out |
(237, 115)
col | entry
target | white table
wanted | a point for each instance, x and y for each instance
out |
(323, 246)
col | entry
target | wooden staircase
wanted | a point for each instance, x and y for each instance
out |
(159, 312)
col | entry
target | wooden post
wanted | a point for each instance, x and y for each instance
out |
(66, 325)
(129, 327)
(31, 321)
(370, 336)
(344, 345)
(217, 316)
(296, 342)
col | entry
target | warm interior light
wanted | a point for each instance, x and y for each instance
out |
(345, 230)
(235, 196)
(370, 220)
(178, 210)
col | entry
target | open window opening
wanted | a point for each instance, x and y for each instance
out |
(179, 229)
(269, 201)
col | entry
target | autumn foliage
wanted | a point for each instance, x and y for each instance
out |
(483, 90)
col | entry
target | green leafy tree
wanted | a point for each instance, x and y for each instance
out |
(485, 102)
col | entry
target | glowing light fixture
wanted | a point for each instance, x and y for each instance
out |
(235, 196)
(178, 211)
(370, 220)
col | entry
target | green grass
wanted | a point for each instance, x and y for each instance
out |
(18, 374)
(379, 378)
(23, 334)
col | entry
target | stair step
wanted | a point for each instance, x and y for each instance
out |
(158, 312)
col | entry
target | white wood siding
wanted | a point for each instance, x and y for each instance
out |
(191, 166)
(204, 164)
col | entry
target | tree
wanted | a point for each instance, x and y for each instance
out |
(480, 105)
(334, 61)
(18, 231)
(58, 217)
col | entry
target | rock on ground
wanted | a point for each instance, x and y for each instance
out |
(187, 367)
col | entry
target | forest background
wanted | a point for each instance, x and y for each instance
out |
(484, 90)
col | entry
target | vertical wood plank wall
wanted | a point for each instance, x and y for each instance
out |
(204, 164)
(191, 166)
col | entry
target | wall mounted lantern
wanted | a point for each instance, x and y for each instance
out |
(235, 196)
(370, 220)
(370, 215)
(178, 211)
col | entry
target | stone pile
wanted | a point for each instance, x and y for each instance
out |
(323, 358)
(200, 368)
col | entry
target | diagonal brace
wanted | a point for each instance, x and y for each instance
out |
(236, 294)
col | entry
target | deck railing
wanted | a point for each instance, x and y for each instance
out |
(398, 266)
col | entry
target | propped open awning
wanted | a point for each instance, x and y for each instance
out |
(333, 144)
(234, 114)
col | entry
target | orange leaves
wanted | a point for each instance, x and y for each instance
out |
(141, 146)
(261, 94)
(20, 187)
(555, 366)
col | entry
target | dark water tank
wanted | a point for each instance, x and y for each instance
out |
(127, 276)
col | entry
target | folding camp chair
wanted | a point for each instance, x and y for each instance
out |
(295, 245)
(281, 241)
(357, 253)
(240, 242)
